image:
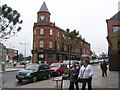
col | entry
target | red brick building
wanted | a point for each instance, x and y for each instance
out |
(49, 42)
(12, 54)
(113, 25)
(113, 29)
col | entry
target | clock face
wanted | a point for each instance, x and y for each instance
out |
(42, 17)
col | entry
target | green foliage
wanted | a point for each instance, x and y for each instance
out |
(9, 22)
(66, 72)
(20, 57)
(29, 58)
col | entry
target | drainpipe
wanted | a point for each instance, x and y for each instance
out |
(118, 80)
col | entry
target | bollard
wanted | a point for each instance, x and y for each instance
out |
(3, 66)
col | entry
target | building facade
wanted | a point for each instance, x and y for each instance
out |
(12, 54)
(113, 25)
(50, 43)
(2, 53)
(113, 37)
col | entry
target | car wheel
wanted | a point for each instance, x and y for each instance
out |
(49, 76)
(34, 79)
(59, 73)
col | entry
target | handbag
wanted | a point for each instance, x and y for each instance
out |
(81, 79)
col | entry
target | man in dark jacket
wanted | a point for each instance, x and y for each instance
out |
(73, 76)
(103, 67)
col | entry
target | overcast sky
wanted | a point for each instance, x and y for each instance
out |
(86, 16)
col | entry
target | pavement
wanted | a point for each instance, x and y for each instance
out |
(11, 68)
(111, 81)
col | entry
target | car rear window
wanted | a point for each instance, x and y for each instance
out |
(55, 65)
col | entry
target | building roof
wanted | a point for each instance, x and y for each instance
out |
(116, 16)
(44, 7)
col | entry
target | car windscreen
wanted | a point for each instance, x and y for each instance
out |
(55, 65)
(32, 67)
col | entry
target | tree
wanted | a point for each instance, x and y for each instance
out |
(9, 22)
(29, 58)
(20, 57)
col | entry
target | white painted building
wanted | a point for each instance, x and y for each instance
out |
(2, 53)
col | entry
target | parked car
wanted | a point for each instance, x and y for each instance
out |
(33, 72)
(25, 62)
(96, 61)
(58, 68)
(91, 61)
(78, 63)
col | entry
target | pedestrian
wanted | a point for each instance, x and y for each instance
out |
(73, 76)
(86, 74)
(14, 63)
(103, 66)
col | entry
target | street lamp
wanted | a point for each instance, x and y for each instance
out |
(24, 48)
(69, 50)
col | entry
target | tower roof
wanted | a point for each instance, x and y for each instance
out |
(116, 16)
(44, 8)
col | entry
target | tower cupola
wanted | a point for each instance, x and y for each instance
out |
(43, 14)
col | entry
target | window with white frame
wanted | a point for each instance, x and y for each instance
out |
(41, 43)
(34, 31)
(41, 31)
(58, 34)
(50, 44)
(65, 47)
(63, 35)
(58, 46)
(51, 32)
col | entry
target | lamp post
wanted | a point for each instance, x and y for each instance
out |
(69, 51)
(69, 56)
(24, 48)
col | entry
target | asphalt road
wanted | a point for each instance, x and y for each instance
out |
(9, 80)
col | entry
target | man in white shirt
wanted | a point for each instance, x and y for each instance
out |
(86, 73)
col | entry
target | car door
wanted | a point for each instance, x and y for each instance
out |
(61, 68)
(46, 70)
(40, 72)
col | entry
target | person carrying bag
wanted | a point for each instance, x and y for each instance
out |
(85, 74)
(80, 79)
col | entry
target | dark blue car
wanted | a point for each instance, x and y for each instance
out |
(33, 72)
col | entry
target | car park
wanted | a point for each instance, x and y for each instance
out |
(58, 68)
(33, 72)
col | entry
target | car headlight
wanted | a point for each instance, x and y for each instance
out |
(17, 73)
(28, 74)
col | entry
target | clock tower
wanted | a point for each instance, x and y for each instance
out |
(43, 14)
